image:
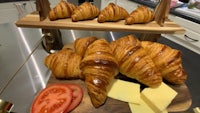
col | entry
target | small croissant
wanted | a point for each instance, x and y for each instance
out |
(86, 11)
(112, 12)
(141, 15)
(81, 44)
(62, 10)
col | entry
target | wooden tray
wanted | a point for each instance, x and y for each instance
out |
(181, 102)
(33, 21)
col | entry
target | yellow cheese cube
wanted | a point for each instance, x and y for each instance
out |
(158, 98)
(140, 108)
(165, 111)
(124, 91)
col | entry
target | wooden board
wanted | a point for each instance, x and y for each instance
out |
(183, 100)
(181, 103)
(32, 21)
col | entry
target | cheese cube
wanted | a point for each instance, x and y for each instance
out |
(124, 91)
(140, 108)
(158, 98)
(165, 111)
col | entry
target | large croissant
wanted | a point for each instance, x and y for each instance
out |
(86, 11)
(81, 44)
(64, 64)
(141, 15)
(99, 67)
(167, 60)
(112, 12)
(62, 10)
(134, 62)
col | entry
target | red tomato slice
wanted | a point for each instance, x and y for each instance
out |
(77, 95)
(55, 98)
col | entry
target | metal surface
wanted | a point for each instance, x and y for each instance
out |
(15, 45)
(22, 73)
(52, 39)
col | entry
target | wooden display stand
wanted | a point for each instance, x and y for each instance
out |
(161, 14)
(160, 25)
(150, 31)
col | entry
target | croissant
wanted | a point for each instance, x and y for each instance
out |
(141, 15)
(167, 60)
(64, 64)
(112, 12)
(81, 44)
(86, 11)
(62, 10)
(134, 62)
(99, 67)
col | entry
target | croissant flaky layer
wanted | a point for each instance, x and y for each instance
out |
(134, 62)
(99, 67)
(167, 60)
(112, 12)
(81, 44)
(141, 15)
(62, 10)
(64, 64)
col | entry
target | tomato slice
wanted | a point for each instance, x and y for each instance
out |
(54, 98)
(77, 95)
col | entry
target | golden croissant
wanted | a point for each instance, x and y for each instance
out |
(64, 64)
(112, 12)
(81, 44)
(99, 67)
(86, 11)
(134, 61)
(62, 10)
(141, 15)
(167, 60)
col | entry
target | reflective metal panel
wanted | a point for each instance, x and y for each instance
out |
(15, 45)
(28, 81)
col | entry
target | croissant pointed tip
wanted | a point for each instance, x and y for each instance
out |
(101, 19)
(74, 19)
(128, 21)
